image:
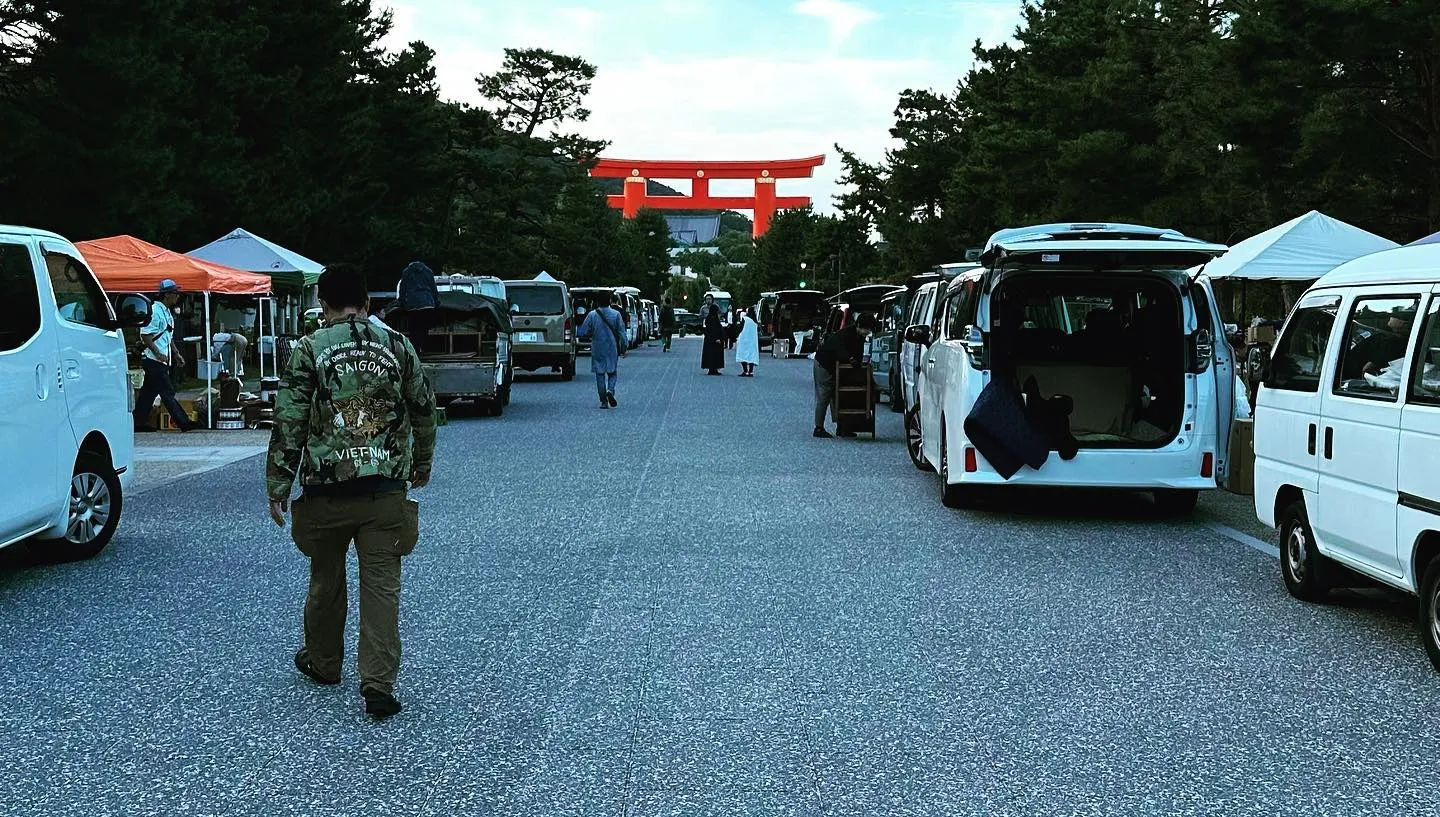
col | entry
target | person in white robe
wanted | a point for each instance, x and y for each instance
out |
(747, 346)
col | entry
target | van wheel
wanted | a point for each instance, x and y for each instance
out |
(913, 440)
(94, 511)
(1430, 612)
(1307, 574)
(897, 400)
(951, 496)
(569, 371)
(496, 407)
(1176, 503)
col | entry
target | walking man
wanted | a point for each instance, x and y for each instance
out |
(354, 421)
(159, 360)
(667, 322)
(606, 331)
(846, 345)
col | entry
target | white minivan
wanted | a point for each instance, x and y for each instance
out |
(1106, 320)
(66, 432)
(1347, 432)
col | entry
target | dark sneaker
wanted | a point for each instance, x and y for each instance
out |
(380, 705)
(611, 398)
(605, 404)
(846, 434)
(307, 668)
(822, 434)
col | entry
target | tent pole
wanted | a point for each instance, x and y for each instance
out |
(260, 333)
(205, 344)
(274, 342)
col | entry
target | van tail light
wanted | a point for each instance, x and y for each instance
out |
(569, 329)
(975, 346)
(972, 463)
(1207, 465)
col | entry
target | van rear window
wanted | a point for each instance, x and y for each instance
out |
(535, 300)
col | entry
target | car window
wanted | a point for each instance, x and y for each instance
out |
(1300, 352)
(536, 300)
(78, 295)
(1377, 337)
(961, 309)
(1425, 380)
(17, 281)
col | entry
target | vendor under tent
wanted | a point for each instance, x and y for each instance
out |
(293, 274)
(1301, 249)
(127, 264)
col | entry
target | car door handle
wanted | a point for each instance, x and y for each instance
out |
(1311, 445)
(1329, 442)
(41, 390)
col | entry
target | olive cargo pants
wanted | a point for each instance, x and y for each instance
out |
(384, 527)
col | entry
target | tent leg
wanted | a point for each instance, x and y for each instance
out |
(274, 343)
(209, 370)
(260, 333)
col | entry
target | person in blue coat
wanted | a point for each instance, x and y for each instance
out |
(605, 330)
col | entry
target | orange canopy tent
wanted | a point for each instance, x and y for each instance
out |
(126, 264)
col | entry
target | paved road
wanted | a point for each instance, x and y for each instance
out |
(689, 607)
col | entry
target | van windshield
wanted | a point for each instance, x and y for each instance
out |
(536, 300)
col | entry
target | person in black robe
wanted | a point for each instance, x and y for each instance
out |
(712, 356)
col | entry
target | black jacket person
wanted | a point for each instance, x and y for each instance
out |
(844, 346)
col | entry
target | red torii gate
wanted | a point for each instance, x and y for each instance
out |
(765, 202)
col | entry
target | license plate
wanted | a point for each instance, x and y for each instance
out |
(530, 337)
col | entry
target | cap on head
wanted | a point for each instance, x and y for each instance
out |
(168, 285)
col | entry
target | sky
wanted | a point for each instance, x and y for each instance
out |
(724, 79)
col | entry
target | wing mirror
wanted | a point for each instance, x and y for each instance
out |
(1258, 361)
(132, 311)
(919, 333)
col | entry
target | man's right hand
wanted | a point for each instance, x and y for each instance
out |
(419, 480)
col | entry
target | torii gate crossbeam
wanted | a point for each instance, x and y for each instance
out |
(765, 202)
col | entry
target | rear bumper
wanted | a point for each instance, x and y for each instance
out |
(542, 356)
(1174, 467)
(464, 380)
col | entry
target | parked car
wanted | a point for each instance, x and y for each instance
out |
(687, 322)
(923, 306)
(652, 318)
(466, 355)
(799, 315)
(884, 350)
(634, 315)
(1347, 433)
(67, 436)
(544, 326)
(1116, 340)
(846, 306)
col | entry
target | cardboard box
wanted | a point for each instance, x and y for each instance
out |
(1260, 334)
(1241, 458)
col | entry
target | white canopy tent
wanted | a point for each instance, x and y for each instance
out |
(1301, 249)
(545, 276)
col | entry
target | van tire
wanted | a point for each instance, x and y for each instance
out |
(568, 373)
(897, 400)
(1307, 574)
(99, 474)
(958, 497)
(496, 407)
(1430, 611)
(1177, 503)
(913, 440)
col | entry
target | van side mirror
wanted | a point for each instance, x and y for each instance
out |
(919, 333)
(1258, 362)
(132, 311)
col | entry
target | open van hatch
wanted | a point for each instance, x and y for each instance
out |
(1102, 322)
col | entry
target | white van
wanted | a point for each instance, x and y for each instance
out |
(66, 433)
(1105, 315)
(1347, 432)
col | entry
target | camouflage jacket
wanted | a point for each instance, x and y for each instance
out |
(352, 399)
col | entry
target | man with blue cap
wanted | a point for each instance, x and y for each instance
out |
(158, 338)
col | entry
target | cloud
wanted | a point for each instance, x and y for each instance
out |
(842, 17)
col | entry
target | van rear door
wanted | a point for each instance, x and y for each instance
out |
(1222, 369)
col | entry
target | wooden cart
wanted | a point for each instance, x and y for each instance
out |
(854, 408)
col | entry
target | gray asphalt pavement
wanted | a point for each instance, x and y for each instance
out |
(687, 606)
